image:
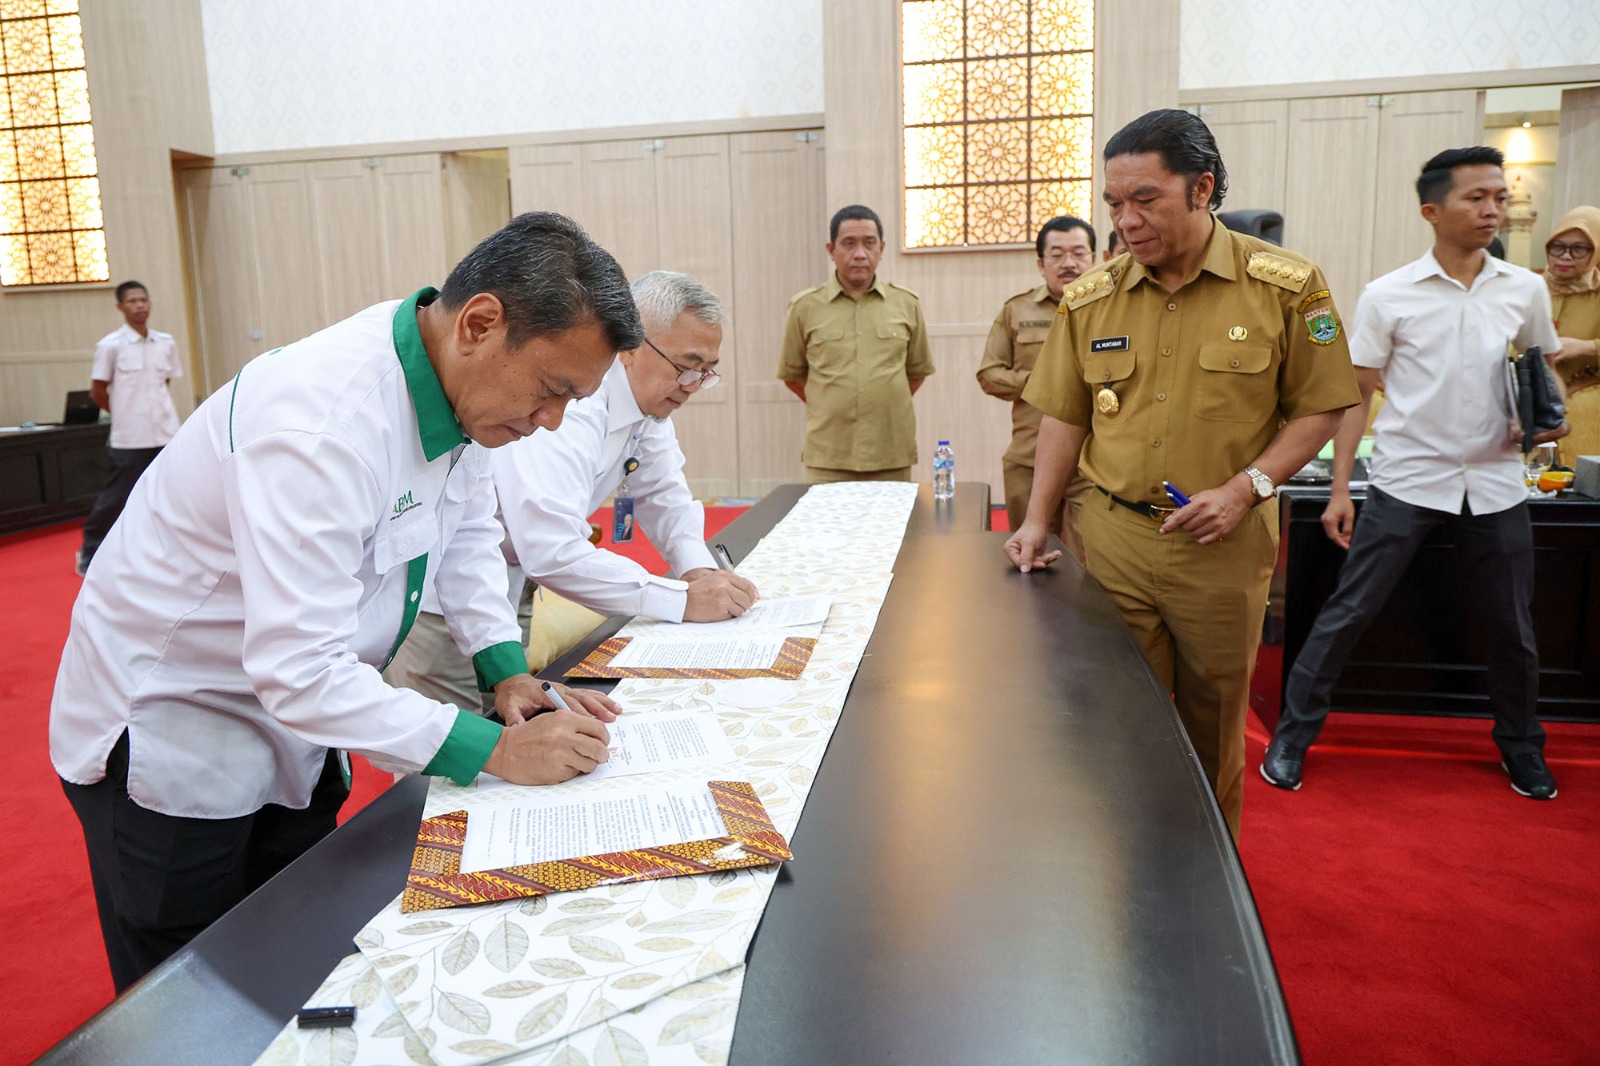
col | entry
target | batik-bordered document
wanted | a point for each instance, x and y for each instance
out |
(436, 879)
(722, 660)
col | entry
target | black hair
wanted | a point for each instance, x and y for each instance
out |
(1112, 241)
(1438, 173)
(128, 286)
(1184, 143)
(1062, 224)
(853, 211)
(550, 276)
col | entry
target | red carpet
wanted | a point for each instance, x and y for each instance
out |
(1418, 910)
(53, 973)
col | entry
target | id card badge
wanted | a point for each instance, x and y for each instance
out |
(622, 508)
(622, 520)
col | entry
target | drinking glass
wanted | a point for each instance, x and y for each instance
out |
(1535, 463)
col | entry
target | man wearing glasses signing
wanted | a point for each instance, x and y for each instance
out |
(1066, 251)
(617, 444)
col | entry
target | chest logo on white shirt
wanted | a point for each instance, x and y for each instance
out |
(403, 504)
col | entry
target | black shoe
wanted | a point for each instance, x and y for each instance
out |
(1529, 775)
(1283, 764)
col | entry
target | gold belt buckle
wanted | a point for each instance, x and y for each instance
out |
(1159, 513)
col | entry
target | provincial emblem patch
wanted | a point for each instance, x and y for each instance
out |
(1322, 326)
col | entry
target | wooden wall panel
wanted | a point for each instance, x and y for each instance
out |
(619, 202)
(282, 227)
(547, 177)
(411, 196)
(223, 269)
(477, 195)
(1254, 140)
(346, 232)
(779, 226)
(1413, 127)
(694, 234)
(1334, 143)
(1578, 150)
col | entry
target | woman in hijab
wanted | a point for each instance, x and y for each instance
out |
(1573, 274)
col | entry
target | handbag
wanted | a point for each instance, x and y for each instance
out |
(1539, 405)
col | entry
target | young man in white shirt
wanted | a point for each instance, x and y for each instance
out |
(225, 648)
(1446, 454)
(132, 365)
(618, 443)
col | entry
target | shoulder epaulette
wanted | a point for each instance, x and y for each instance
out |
(803, 293)
(1278, 270)
(1089, 288)
(903, 289)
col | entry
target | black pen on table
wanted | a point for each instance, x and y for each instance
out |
(724, 560)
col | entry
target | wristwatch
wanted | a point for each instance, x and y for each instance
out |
(1261, 485)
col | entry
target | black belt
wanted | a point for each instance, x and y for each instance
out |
(1148, 510)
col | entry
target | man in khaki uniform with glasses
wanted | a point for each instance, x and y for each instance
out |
(854, 350)
(1066, 250)
(1204, 359)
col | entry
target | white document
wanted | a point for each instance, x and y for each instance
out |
(784, 612)
(758, 651)
(676, 740)
(549, 828)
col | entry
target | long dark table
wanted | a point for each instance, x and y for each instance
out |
(1425, 652)
(1009, 854)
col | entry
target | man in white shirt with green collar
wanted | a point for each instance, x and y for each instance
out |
(226, 647)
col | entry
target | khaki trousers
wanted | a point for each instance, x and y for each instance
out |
(1018, 481)
(821, 475)
(1196, 611)
(430, 663)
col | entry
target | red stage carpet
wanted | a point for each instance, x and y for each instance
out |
(1419, 911)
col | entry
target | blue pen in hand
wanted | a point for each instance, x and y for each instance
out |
(1174, 495)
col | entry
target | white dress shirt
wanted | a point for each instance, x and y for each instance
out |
(138, 369)
(1441, 348)
(550, 483)
(238, 612)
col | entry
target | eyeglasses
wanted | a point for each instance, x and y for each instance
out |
(1568, 251)
(706, 379)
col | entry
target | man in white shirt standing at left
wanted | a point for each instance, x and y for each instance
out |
(617, 444)
(132, 365)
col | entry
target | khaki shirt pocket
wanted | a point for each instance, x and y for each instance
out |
(894, 337)
(1029, 342)
(823, 342)
(1236, 383)
(1102, 367)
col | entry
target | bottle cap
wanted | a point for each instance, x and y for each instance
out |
(944, 444)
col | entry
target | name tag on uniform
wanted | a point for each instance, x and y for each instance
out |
(1109, 344)
(1035, 325)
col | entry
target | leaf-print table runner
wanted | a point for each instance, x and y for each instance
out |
(648, 971)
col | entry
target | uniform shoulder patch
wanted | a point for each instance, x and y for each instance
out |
(1088, 289)
(803, 293)
(1278, 270)
(903, 289)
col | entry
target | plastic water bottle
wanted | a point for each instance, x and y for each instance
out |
(944, 472)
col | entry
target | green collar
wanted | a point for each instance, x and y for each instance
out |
(436, 419)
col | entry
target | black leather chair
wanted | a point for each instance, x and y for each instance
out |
(1268, 225)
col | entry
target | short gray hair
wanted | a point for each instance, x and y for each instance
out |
(663, 295)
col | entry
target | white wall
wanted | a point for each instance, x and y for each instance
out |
(314, 73)
(1226, 43)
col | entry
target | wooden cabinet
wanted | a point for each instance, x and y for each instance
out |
(51, 475)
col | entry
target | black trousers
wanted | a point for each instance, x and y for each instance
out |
(1496, 550)
(159, 880)
(126, 466)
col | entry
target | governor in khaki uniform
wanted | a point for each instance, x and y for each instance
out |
(1202, 358)
(1066, 249)
(855, 349)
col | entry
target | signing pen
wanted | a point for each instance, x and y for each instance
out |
(724, 560)
(555, 697)
(1174, 495)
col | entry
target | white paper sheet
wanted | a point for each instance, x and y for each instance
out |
(757, 651)
(677, 740)
(544, 829)
(788, 613)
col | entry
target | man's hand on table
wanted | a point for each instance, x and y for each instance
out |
(522, 696)
(1026, 547)
(549, 748)
(716, 595)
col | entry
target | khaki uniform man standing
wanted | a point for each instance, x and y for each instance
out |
(1066, 249)
(1205, 359)
(854, 350)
